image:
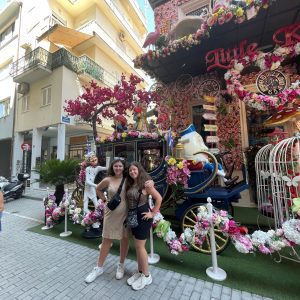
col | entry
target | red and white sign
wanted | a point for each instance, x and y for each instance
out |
(212, 139)
(25, 147)
(211, 117)
(223, 59)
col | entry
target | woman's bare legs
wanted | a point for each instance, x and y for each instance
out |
(142, 256)
(105, 247)
(124, 243)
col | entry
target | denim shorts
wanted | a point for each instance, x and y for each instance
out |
(0, 219)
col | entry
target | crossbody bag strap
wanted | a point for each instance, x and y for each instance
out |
(121, 185)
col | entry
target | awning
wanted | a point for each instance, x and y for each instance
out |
(66, 36)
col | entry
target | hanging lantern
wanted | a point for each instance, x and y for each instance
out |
(179, 151)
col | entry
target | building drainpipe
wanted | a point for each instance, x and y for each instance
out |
(15, 94)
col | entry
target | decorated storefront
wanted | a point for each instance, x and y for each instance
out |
(229, 68)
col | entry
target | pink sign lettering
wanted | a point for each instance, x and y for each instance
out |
(221, 58)
(287, 36)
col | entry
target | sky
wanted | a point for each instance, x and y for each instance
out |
(2, 3)
(144, 5)
(148, 12)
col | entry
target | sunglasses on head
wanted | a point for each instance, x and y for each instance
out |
(119, 158)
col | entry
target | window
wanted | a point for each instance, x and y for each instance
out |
(7, 34)
(56, 19)
(25, 103)
(193, 8)
(4, 108)
(46, 95)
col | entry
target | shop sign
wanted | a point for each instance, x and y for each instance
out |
(270, 82)
(26, 147)
(212, 139)
(211, 117)
(210, 127)
(221, 58)
(287, 36)
(209, 107)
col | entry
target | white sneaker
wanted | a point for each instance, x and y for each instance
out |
(97, 271)
(120, 271)
(141, 282)
(133, 278)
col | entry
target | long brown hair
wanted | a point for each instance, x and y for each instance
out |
(111, 172)
(142, 177)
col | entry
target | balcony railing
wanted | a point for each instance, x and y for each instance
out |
(88, 66)
(36, 58)
(62, 57)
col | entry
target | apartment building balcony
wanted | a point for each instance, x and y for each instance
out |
(103, 40)
(33, 66)
(40, 63)
(139, 39)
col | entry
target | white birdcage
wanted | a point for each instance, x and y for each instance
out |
(263, 181)
(285, 168)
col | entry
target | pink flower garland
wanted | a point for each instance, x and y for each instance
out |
(263, 242)
(265, 61)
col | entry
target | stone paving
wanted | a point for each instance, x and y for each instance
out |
(34, 266)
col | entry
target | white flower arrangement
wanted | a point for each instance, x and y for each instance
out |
(291, 229)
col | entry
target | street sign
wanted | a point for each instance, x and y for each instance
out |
(208, 116)
(210, 127)
(212, 139)
(65, 119)
(209, 107)
(25, 147)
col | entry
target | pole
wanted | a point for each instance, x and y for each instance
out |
(213, 272)
(12, 154)
(153, 258)
(66, 232)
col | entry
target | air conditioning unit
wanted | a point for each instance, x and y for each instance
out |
(23, 88)
(122, 36)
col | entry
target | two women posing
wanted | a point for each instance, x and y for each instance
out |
(134, 195)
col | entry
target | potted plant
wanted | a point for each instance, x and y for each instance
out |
(58, 173)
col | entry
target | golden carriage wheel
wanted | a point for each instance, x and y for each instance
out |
(189, 221)
(78, 196)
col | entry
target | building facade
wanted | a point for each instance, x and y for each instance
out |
(56, 48)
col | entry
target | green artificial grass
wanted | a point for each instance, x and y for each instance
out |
(255, 273)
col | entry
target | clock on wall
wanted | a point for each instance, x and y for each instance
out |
(271, 82)
(209, 87)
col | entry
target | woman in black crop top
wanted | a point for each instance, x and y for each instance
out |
(137, 197)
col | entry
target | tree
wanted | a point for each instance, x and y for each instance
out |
(99, 102)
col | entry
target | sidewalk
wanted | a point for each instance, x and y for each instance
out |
(41, 267)
(36, 194)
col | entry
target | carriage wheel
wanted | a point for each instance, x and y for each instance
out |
(78, 196)
(189, 221)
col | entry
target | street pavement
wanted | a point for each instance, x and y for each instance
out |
(34, 266)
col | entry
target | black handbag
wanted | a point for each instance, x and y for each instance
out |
(132, 219)
(116, 198)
